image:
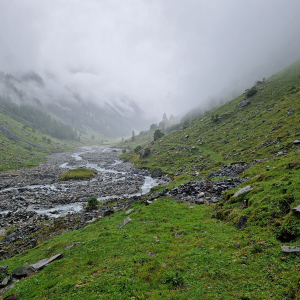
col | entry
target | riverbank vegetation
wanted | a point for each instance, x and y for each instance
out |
(80, 173)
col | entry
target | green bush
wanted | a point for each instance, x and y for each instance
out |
(92, 203)
(137, 149)
(251, 92)
(158, 134)
(174, 280)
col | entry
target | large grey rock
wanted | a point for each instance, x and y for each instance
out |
(42, 263)
(290, 249)
(157, 173)
(244, 103)
(127, 220)
(4, 282)
(243, 190)
(3, 270)
(297, 142)
(242, 222)
(22, 272)
(146, 153)
(108, 212)
(296, 210)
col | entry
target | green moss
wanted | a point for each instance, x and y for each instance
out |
(79, 173)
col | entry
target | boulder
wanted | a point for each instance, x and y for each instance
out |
(290, 249)
(244, 103)
(22, 272)
(42, 263)
(146, 153)
(242, 222)
(157, 173)
(243, 190)
(296, 210)
(127, 220)
(108, 212)
(297, 142)
(4, 282)
(3, 271)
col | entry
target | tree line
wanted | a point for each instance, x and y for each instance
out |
(40, 120)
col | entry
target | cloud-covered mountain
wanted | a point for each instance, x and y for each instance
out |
(112, 116)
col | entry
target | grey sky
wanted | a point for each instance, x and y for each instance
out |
(167, 55)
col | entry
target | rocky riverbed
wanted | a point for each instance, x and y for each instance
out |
(33, 195)
(35, 205)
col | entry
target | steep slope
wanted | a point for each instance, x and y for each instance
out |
(259, 129)
(267, 125)
(23, 146)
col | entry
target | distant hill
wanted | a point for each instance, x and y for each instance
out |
(115, 117)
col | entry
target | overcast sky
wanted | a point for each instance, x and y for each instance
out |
(167, 55)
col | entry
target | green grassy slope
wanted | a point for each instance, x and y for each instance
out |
(168, 251)
(24, 146)
(267, 126)
(261, 133)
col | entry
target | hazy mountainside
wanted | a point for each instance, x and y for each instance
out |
(244, 129)
(115, 117)
(24, 146)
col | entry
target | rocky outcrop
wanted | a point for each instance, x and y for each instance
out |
(244, 103)
(203, 192)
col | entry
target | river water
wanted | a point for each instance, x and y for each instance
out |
(39, 189)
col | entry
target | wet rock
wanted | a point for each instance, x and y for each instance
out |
(179, 235)
(242, 222)
(22, 272)
(127, 220)
(129, 211)
(71, 246)
(200, 201)
(108, 212)
(4, 282)
(243, 103)
(290, 249)
(157, 173)
(296, 142)
(243, 190)
(148, 202)
(44, 262)
(146, 153)
(230, 170)
(296, 210)
(280, 153)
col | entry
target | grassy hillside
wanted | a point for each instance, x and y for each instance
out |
(22, 146)
(169, 250)
(261, 133)
(268, 125)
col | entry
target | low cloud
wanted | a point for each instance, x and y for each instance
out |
(167, 56)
